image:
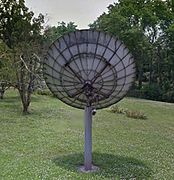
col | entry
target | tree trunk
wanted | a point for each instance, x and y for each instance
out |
(140, 78)
(150, 71)
(25, 108)
(26, 99)
(1, 94)
(2, 90)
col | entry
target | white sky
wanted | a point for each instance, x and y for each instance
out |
(82, 12)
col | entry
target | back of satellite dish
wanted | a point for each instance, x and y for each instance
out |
(89, 70)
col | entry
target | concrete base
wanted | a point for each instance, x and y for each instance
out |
(93, 169)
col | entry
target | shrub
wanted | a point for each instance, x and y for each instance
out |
(116, 109)
(128, 113)
(168, 96)
(45, 92)
(153, 92)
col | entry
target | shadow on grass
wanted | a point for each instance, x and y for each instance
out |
(111, 166)
(16, 99)
(14, 105)
(9, 99)
(11, 104)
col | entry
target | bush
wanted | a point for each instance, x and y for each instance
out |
(116, 109)
(136, 115)
(153, 92)
(45, 92)
(168, 96)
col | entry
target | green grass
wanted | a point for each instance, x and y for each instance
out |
(48, 143)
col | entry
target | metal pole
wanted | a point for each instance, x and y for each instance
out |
(88, 139)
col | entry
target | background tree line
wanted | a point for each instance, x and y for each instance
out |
(145, 26)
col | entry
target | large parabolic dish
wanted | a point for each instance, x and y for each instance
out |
(89, 69)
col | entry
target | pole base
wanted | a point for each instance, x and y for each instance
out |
(93, 169)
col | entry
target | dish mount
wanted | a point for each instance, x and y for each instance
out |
(89, 70)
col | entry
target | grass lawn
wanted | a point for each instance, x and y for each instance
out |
(48, 143)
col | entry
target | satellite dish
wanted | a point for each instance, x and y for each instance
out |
(89, 70)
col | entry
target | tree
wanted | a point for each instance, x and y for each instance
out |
(146, 27)
(21, 32)
(54, 32)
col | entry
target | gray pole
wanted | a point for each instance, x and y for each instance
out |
(88, 139)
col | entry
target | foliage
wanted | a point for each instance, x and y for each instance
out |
(48, 144)
(17, 23)
(116, 109)
(45, 92)
(147, 28)
(51, 33)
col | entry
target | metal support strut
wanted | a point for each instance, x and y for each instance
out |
(88, 139)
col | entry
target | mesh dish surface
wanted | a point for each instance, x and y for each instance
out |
(89, 68)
